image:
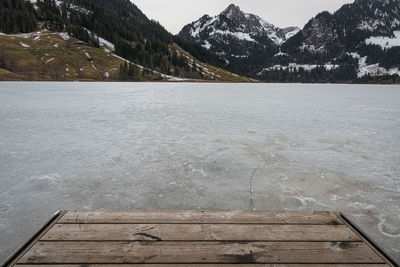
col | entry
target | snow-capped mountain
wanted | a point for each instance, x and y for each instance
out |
(360, 40)
(235, 35)
(365, 33)
(350, 25)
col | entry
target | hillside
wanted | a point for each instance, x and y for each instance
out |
(210, 72)
(99, 40)
(52, 56)
(47, 55)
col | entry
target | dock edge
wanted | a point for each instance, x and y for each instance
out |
(366, 239)
(20, 251)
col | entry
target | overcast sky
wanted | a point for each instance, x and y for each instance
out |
(174, 14)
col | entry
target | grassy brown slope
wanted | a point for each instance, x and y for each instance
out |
(48, 56)
(212, 72)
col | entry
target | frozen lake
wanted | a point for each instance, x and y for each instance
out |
(199, 146)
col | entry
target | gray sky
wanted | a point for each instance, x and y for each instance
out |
(174, 14)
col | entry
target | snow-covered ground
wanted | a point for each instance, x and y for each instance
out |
(385, 42)
(296, 67)
(199, 146)
(237, 35)
(24, 45)
(372, 69)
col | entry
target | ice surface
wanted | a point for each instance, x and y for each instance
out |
(199, 146)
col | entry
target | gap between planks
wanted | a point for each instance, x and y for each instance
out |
(203, 217)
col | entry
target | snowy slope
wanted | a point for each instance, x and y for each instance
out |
(385, 42)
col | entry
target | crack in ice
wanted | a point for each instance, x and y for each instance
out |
(251, 189)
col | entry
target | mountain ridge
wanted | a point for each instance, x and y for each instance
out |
(234, 34)
(360, 41)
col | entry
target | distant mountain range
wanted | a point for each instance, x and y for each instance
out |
(358, 43)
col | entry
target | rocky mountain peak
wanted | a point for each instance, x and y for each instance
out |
(231, 9)
(234, 35)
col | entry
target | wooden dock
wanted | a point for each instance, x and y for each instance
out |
(198, 238)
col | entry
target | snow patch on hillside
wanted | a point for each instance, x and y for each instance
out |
(206, 45)
(199, 27)
(281, 54)
(238, 35)
(162, 75)
(107, 44)
(292, 33)
(373, 69)
(102, 42)
(74, 7)
(244, 27)
(64, 35)
(385, 42)
(23, 44)
(292, 67)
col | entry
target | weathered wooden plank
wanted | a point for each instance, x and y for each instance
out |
(199, 232)
(211, 265)
(234, 217)
(199, 252)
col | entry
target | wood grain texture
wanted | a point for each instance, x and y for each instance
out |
(198, 232)
(199, 252)
(175, 217)
(200, 238)
(210, 265)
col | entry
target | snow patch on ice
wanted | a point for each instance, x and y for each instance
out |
(48, 178)
(306, 200)
(386, 228)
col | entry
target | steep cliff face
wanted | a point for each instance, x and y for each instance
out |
(319, 32)
(348, 28)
